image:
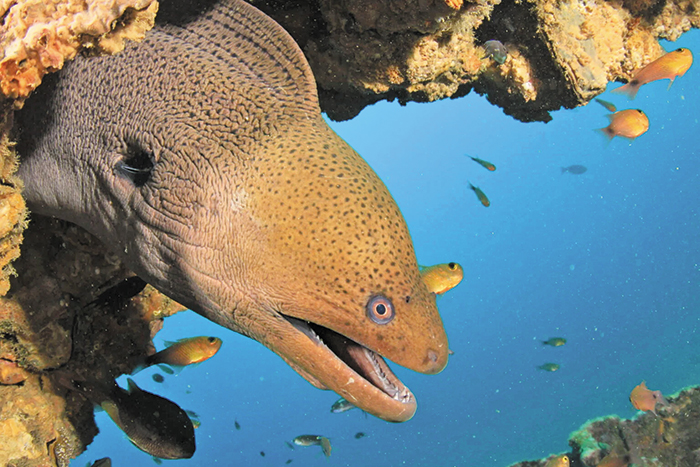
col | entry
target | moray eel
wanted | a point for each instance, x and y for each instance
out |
(201, 157)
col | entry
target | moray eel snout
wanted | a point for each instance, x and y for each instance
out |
(201, 157)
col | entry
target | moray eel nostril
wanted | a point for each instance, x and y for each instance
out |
(201, 157)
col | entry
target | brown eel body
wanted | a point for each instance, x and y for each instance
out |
(201, 157)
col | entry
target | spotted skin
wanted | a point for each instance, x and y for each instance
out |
(201, 157)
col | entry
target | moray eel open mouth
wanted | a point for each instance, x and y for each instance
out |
(360, 366)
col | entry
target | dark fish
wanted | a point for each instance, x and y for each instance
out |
(555, 341)
(166, 369)
(341, 405)
(609, 106)
(495, 50)
(359, 435)
(158, 378)
(104, 462)
(480, 194)
(154, 424)
(237, 425)
(574, 169)
(487, 165)
(314, 440)
(549, 367)
(262, 453)
(289, 461)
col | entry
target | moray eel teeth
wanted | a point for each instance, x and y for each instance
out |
(365, 363)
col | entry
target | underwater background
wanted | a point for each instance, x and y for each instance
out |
(608, 259)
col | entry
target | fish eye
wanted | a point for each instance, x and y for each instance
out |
(211, 340)
(452, 266)
(380, 309)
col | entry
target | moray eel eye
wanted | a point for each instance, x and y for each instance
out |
(380, 309)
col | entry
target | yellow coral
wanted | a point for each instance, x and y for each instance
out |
(38, 36)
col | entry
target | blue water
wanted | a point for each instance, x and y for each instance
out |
(609, 259)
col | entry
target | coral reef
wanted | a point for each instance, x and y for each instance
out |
(670, 438)
(69, 312)
(37, 36)
(562, 52)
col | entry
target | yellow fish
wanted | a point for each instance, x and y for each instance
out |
(480, 194)
(442, 277)
(629, 123)
(561, 460)
(186, 351)
(643, 398)
(668, 66)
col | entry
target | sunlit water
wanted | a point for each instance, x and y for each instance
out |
(609, 259)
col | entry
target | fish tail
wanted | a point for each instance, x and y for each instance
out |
(608, 132)
(563, 171)
(630, 89)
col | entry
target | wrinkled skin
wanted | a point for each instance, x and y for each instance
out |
(201, 157)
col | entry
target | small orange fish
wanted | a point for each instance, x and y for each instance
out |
(186, 351)
(668, 66)
(629, 123)
(480, 194)
(442, 277)
(609, 106)
(645, 399)
(562, 460)
(486, 164)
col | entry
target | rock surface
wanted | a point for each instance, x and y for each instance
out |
(670, 438)
(562, 53)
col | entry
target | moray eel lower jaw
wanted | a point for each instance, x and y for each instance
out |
(329, 360)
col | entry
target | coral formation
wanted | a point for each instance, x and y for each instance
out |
(68, 313)
(671, 438)
(562, 52)
(37, 36)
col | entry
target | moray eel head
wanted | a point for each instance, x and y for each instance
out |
(341, 287)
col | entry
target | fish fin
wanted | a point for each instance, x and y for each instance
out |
(170, 343)
(113, 411)
(607, 132)
(132, 387)
(630, 89)
(669, 84)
